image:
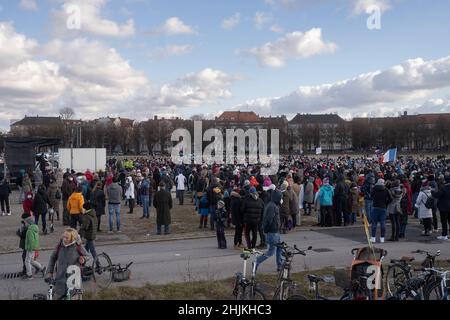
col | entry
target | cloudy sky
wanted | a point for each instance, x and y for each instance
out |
(139, 58)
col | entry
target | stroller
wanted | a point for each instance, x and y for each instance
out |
(364, 279)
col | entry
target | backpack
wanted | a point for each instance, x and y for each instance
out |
(429, 204)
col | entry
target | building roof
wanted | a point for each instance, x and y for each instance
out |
(239, 116)
(35, 121)
(316, 119)
(433, 117)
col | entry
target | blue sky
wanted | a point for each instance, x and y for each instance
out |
(137, 58)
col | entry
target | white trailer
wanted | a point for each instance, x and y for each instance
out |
(81, 159)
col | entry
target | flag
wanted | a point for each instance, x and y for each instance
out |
(390, 155)
(318, 150)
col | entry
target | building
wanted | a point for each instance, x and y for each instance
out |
(38, 126)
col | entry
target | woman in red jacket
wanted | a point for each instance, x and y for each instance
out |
(27, 203)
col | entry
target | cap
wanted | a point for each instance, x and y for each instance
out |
(252, 190)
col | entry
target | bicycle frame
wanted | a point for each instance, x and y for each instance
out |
(241, 278)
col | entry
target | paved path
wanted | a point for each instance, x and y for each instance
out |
(183, 260)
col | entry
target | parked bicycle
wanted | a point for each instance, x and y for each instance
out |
(286, 287)
(71, 293)
(244, 288)
(439, 289)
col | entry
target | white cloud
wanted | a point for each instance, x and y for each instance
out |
(28, 5)
(277, 29)
(196, 89)
(412, 79)
(174, 26)
(295, 45)
(364, 6)
(14, 48)
(171, 50)
(91, 20)
(262, 18)
(231, 22)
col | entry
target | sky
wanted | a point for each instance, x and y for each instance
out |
(140, 58)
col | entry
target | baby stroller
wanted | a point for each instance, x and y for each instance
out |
(364, 279)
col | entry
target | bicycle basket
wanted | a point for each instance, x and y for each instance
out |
(121, 275)
(39, 296)
(342, 278)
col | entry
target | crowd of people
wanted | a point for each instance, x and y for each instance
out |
(338, 191)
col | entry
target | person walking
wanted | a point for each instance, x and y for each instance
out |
(443, 204)
(67, 188)
(5, 191)
(252, 210)
(27, 220)
(271, 226)
(75, 207)
(114, 191)
(54, 195)
(381, 198)
(163, 204)
(32, 250)
(129, 193)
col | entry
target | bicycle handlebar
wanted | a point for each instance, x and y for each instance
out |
(293, 250)
(438, 253)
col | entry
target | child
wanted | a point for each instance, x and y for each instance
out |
(31, 248)
(203, 211)
(221, 220)
(28, 203)
(22, 234)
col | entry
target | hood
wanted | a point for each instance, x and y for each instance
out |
(235, 194)
(327, 187)
(33, 228)
(379, 187)
(397, 191)
(254, 196)
(276, 197)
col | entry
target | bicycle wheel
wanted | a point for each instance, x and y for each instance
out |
(257, 295)
(433, 291)
(102, 270)
(297, 297)
(396, 278)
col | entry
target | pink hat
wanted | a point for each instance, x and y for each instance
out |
(266, 184)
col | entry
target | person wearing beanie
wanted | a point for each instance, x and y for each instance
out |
(381, 198)
(252, 209)
(162, 201)
(221, 219)
(203, 210)
(443, 204)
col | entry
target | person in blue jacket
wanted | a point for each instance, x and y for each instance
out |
(325, 199)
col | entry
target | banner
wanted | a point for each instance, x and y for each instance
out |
(318, 150)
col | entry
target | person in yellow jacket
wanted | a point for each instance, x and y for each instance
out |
(75, 207)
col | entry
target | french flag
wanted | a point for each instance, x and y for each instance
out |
(390, 155)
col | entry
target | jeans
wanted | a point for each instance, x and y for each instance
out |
(326, 213)
(378, 215)
(4, 200)
(253, 228)
(114, 208)
(29, 261)
(427, 224)
(146, 206)
(368, 204)
(44, 219)
(340, 211)
(262, 235)
(221, 240)
(445, 221)
(272, 239)
(166, 229)
(90, 247)
(180, 196)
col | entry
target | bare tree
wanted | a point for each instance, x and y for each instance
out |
(66, 113)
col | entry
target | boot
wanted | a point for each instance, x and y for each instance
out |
(205, 223)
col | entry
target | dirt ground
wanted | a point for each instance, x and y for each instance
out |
(185, 222)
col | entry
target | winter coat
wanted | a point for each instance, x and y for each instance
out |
(162, 201)
(309, 192)
(88, 229)
(369, 184)
(32, 238)
(285, 210)
(271, 219)
(26, 185)
(145, 188)
(252, 209)
(114, 193)
(203, 208)
(443, 196)
(67, 188)
(394, 206)
(52, 191)
(129, 193)
(293, 204)
(27, 203)
(98, 201)
(354, 197)
(237, 217)
(40, 202)
(423, 212)
(22, 234)
(221, 217)
(61, 258)
(5, 189)
(75, 203)
(381, 197)
(326, 194)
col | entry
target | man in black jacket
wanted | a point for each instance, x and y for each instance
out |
(252, 208)
(5, 191)
(271, 226)
(443, 196)
(39, 207)
(381, 198)
(341, 193)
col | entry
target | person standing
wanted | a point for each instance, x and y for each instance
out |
(325, 199)
(67, 188)
(180, 180)
(129, 193)
(341, 193)
(424, 211)
(271, 226)
(114, 191)
(39, 207)
(443, 204)
(221, 219)
(145, 191)
(252, 209)
(163, 204)
(237, 219)
(394, 209)
(38, 179)
(75, 207)
(27, 220)
(369, 184)
(5, 191)
(309, 196)
(88, 229)
(381, 198)
(98, 202)
(285, 211)
(54, 195)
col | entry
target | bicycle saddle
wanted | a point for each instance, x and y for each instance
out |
(313, 278)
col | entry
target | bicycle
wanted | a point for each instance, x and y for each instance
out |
(440, 288)
(286, 287)
(400, 271)
(102, 270)
(71, 293)
(244, 288)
